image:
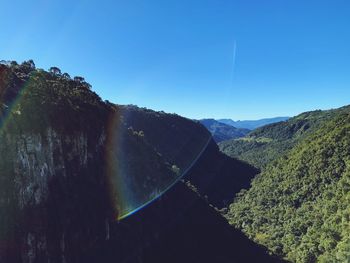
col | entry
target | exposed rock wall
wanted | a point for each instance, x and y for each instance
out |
(59, 205)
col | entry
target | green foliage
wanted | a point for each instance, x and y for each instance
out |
(36, 99)
(298, 206)
(256, 151)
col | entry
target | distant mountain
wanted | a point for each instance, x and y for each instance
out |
(252, 124)
(223, 132)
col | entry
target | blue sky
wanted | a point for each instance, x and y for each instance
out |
(224, 59)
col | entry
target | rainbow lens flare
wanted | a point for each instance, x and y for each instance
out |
(142, 153)
(148, 152)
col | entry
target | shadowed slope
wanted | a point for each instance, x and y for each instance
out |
(181, 227)
(215, 175)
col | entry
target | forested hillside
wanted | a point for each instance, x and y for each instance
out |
(269, 142)
(181, 141)
(298, 206)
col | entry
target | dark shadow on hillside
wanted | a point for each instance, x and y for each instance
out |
(179, 227)
(219, 177)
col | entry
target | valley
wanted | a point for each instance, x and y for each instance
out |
(86, 180)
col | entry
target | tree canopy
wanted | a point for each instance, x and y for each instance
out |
(298, 206)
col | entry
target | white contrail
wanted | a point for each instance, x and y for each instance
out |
(233, 60)
(230, 86)
(230, 77)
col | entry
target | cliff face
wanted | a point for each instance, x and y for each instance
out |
(39, 158)
(57, 202)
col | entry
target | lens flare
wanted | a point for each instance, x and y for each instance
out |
(145, 152)
(143, 160)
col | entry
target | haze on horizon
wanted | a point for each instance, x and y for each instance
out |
(200, 59)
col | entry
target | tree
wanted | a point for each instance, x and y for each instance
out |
(65, 76)
(13, 64)
(79, 79)
(28, 66)
(55, 71)
(30, 63)
(82, 81)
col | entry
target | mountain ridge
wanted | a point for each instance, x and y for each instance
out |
(252, 124)
(269, 142)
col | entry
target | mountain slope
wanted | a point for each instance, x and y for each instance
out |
(65, 153)
(214, 175)
(179, 140)
(299, 206)
(221, 131)
(269, 142)
(252, 124)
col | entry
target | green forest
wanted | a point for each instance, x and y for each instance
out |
(298, 206)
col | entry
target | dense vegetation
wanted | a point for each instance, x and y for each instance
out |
(298, 206)
(179, 140)
(34, 98)
(223, 132)
(267, 143)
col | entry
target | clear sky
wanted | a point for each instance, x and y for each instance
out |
(239, 59)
